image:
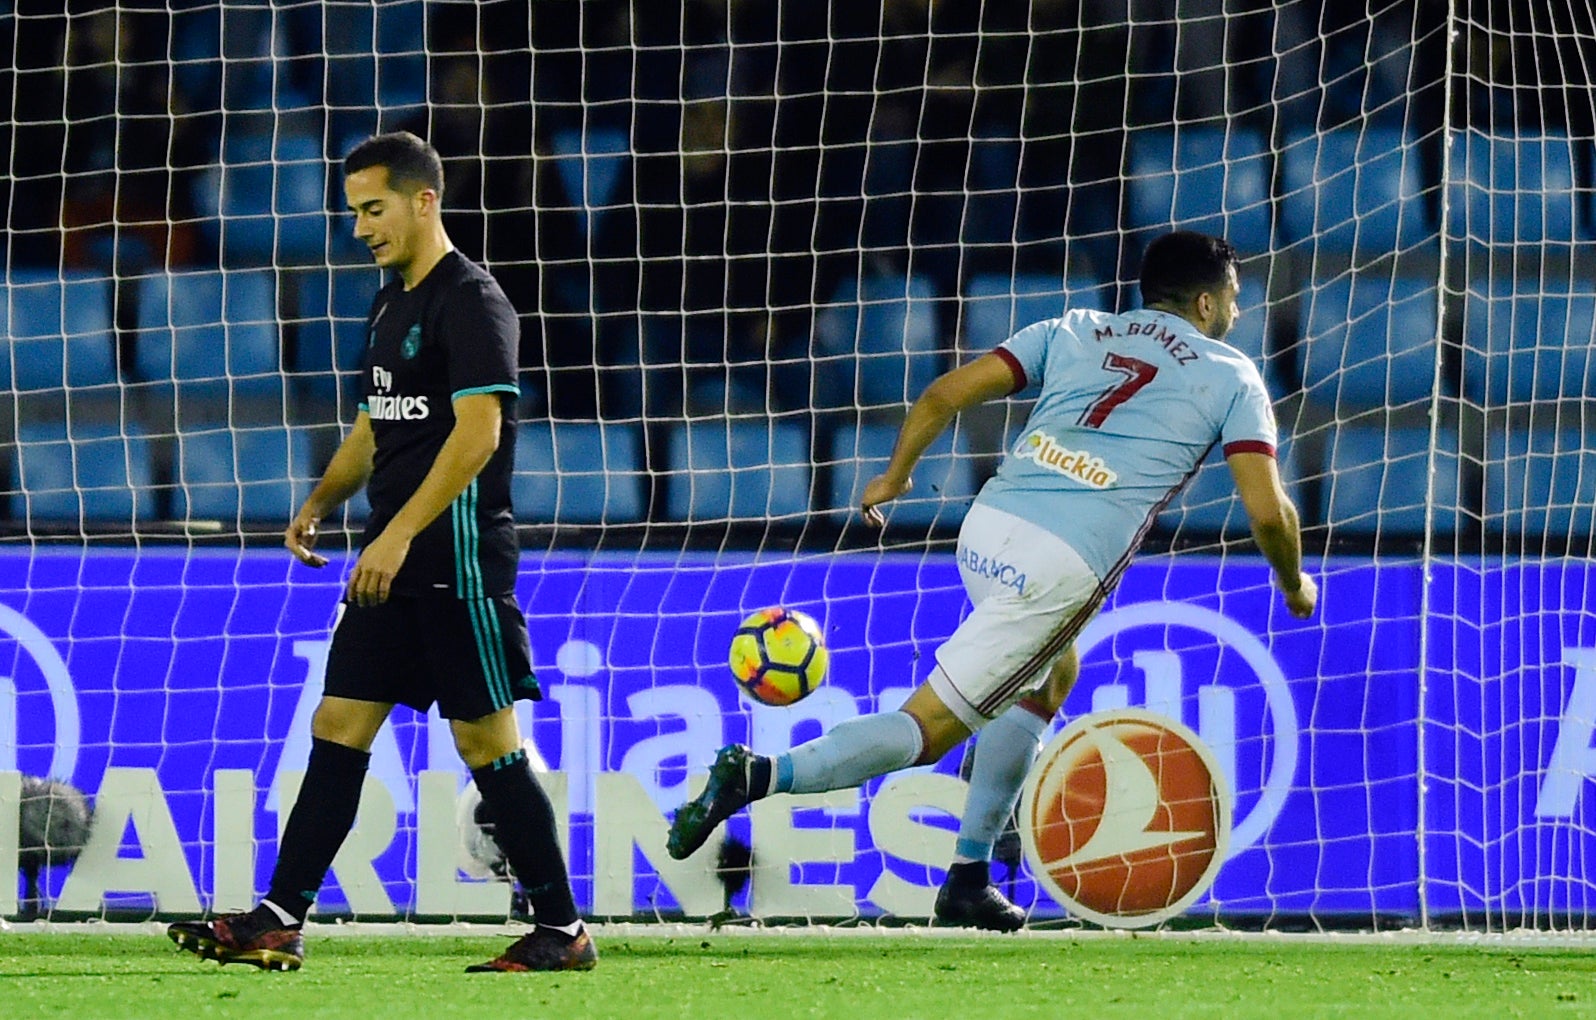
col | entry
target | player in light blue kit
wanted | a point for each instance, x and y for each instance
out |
(1130, 405)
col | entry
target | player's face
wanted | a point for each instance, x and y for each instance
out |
(1225, 310)
(386, 221)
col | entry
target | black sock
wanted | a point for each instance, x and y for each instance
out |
(322, 817)
(759, 774)
(971, 874)
(523, 821)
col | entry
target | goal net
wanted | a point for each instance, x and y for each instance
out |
(743, 237)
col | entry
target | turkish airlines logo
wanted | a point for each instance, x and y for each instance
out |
(1126, 818)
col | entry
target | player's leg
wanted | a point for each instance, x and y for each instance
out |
(269, 936)
(1004, 753)
(366, 673)
(1013, 661)
(482, 655)
(844, 757)
(524, 827)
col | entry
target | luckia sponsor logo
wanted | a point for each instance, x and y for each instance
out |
(1126, 818)
(1083, 467)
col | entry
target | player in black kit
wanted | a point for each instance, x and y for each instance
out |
(429, 614)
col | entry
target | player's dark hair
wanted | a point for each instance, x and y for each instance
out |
(412, 164)
(1183, 264)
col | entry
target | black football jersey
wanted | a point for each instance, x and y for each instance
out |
(454, 334)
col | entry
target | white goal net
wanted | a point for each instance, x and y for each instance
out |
(742, 236)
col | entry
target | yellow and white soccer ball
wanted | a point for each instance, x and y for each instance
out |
(779, 656)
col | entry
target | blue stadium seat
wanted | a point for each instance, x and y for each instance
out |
(215, 334)
(742, 469)
(1371, 341)
(1528, 339)
(880, 340)
(577, 473)
(98, 472)
(60, 330)
(1209, 504)
(591, 164)
(944, 480)
(266, 203)
(1514, 190)
(245, 474)
(1379, 478)
(1540, 483)
(992, 205)
(1215, 180)
(1352, 190)
(401, 54)
(997, 305)
(333, 306)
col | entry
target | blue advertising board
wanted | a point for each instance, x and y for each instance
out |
(1410, 749)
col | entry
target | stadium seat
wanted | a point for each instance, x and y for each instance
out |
(265, 204)
(1540, 483)
(591, 164)
(1371, 341)
(1379, 479)
(333, 306)
(245, 474)
(743, 469)
(1514, 190)
(992, 205)
(401, 54)
(1209, 505)
(1214, 180)
(577, 473)
(1354, 191)
(1528, 339)
(60, 330)
(879, 340)
(98, 472)
(944, 480)
(997, 305)
(214, 335)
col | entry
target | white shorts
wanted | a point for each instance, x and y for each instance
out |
(1032, 593)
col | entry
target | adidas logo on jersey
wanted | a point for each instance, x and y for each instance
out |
(1082, 467)
(382, 408)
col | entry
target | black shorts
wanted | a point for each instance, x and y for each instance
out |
(470, 656)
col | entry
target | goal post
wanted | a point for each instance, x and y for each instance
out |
(742, 238)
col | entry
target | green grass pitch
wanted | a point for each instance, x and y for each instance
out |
(766, 976)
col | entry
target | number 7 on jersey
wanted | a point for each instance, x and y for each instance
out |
(1137, 374)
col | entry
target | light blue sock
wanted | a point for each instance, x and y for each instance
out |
(850, 753)
(1003, 755)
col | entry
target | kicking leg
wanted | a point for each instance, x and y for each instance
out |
(852, 752)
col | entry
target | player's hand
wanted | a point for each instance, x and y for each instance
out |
(300, 539)
(1302, 601)
(374, 572)
(882, 489)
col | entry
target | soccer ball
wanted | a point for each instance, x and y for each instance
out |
(779, 655)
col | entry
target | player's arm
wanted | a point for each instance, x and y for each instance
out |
(986, 378)
(345, 474)
(466, 451)
(1274, 527)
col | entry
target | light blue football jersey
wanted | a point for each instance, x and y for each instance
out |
(1130, 405)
